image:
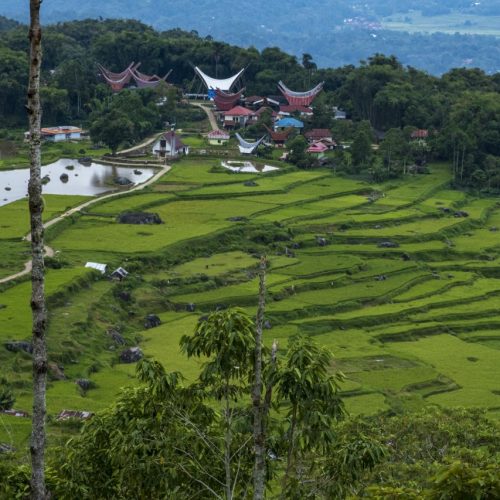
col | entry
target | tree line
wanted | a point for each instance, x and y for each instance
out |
(461, 107)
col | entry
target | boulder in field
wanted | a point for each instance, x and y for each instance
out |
(151, 321)
(388, 244)
(122, 181)
(18, 346)
(64, 177)
(139, 218)
(84, 383)
(131, 355)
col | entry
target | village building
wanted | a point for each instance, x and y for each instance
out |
(317, 149)
(329, 143)
(419, 134)
(248, 148)
(318, 134)
(169, 145)
(212, 84)
(338, 114)
(279, 138)
(119, 274)
(239, 117)
(224, 101)
(97, 266)
(217, 137)
(257, 102)
(290, 109)
(288, 122)
(300, 98)
(58, 134)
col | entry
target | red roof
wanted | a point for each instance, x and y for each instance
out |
(218, 134)
(60, 130)
(239, 111)
(317, 147)
(318, 133)
(420, 134)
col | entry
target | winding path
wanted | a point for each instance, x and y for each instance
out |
(210, 114)
(49, 252)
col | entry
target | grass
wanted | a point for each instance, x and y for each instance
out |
(403, 341)
(51, 152)
(14, 217)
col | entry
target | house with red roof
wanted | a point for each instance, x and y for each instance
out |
(421, 133)
(58, 134)
(318, 134)
(217, 137)
(318, 149)
(239, 117)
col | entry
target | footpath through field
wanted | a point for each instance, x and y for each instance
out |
(210, 114)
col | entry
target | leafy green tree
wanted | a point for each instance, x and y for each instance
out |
(297, 147)
(394, 150)
(227, 339)
(307, 388)
(361, 147)
(112, 129)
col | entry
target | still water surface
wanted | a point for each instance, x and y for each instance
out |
(82, 180)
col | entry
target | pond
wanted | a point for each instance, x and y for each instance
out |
(247, 166)
(90, 180)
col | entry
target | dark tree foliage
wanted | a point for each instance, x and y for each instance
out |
(460, 108)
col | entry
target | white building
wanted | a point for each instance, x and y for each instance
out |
(169, 145)
(58, 134)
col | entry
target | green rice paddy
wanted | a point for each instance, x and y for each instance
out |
(416, 324)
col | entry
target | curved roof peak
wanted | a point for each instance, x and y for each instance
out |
(224, 84)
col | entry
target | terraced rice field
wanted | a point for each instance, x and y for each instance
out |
(411, 323)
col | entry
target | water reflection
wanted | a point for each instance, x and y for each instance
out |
(82, 180)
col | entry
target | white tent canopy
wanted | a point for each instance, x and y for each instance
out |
(214, 83)
(248, 147)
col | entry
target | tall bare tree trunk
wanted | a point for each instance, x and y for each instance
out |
(259, 474)
(38, 491)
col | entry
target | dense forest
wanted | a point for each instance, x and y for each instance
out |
(337, 34)
(461, 108)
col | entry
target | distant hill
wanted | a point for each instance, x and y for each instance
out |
(7, 24)
(334, 32)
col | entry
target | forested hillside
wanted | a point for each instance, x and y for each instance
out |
(335, 33)
(462, 105)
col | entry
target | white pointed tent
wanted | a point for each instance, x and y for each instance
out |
(214, 83)
(248, 148)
